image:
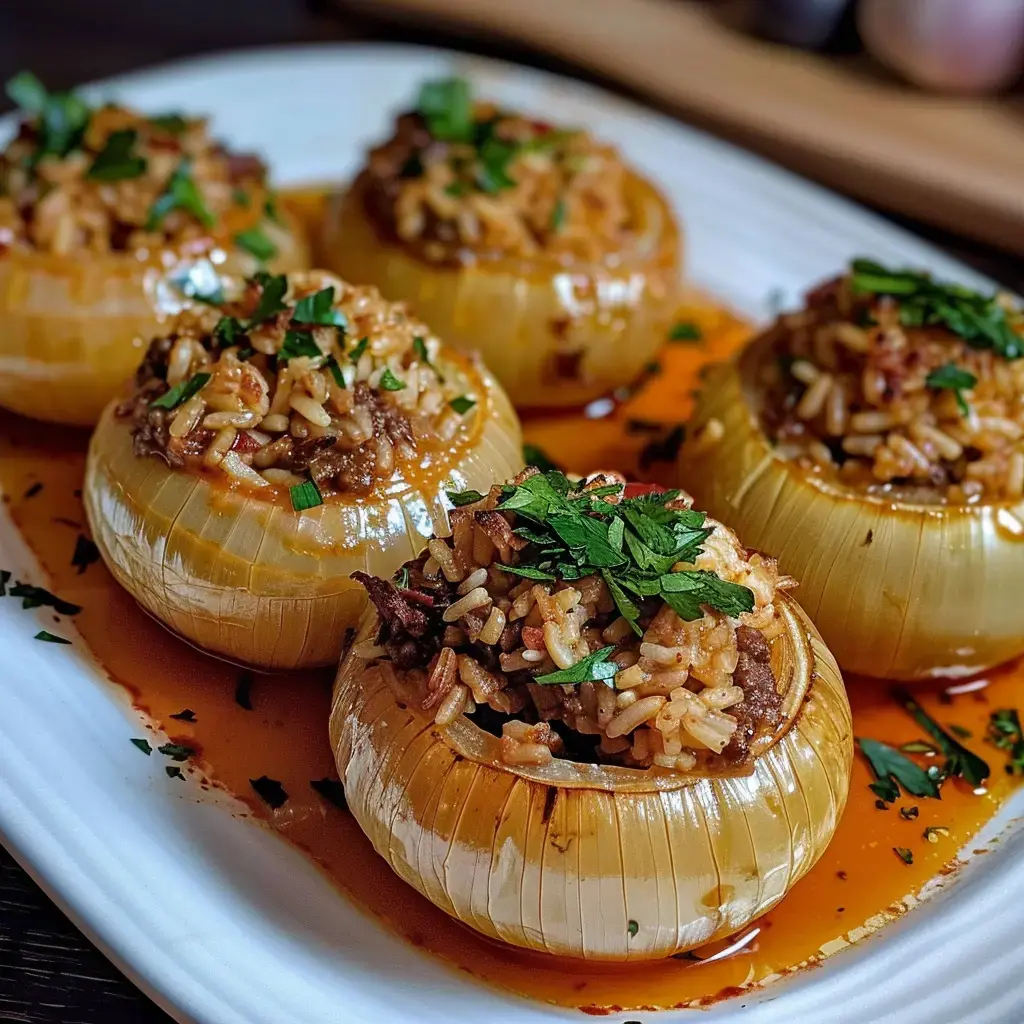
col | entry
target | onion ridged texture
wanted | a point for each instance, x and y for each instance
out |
(567, 858)
(553, 334)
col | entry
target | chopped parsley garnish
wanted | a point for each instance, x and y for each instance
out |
(228, 331)
(318, 308)
(685, 330)
(188, 715)
(143, 745)
(173, 124)
(1004, 731)
(332, 791)
(271, 302)
(357, 353)
(181, 392)
(50, 638)
(904, 854)
(460, 498)
(85, 554)
(952, 378)
(979, 319)
(594, 667)
(389, 382)
(270, 791)
(243, 691)
(174, 772)
(176, 751)
(181, 193)
(959, 760)
(960, 732)
(494, 158)
(891, 767)
(61, 118)
(635, 545)
(534, 455)
(38, 597)
(297, 344)
(305, 495)
(462, 404)
(633, 928)
(446, 105)
(255, 242)
(419, 346)
(336, 372)
(115, 162)
(558, 216)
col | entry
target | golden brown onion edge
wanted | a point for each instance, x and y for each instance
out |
(255, 582)
(564, 861)
(899, 591)
(529, 317)
(73, 329)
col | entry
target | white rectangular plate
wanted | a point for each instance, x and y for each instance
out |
(218, 919)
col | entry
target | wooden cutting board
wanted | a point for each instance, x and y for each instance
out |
(957, 163)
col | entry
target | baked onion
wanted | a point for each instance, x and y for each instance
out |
(605, 761)
(872, 443)
(533, 245)
(233, 500)
(97, 207)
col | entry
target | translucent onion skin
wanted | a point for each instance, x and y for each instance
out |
(258, 583)
(521, 314)
(564, 858)
(74, 328)
(899, 591)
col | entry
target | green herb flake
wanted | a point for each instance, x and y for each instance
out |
(176, 751)
(255, 242)
(181, 392)
(85, 554)
(685, 330)
(39, 597)
(188, 715)
(891, 767)
(270, 208)
(273, 288)
(594, 667)
(61, 118)
(270, 791)
(495, 158)
(181, 193)
(305, 496)
(1004, 732)
(952, 378)
(389, 382)
(357, 352)
(558, 215)
(299, 344)
(336, 372)
(933, 833)
(172, 124)
(419, 346)
(228, 331)
(633, 928)
(959, 760)
(446, 105)
(116, 162)
(462, 404)
(918, 747)
(460, 498)
(174, 772)
(904, 854)
(332, 791)
(142, 745)
(534, 455)
(318, 308)
(50, 638)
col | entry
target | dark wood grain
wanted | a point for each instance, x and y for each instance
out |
(49, 972)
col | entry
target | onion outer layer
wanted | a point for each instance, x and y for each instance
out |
(564, 859)
(256, 582)
(73, 329)
(522, 315)
(899, 591)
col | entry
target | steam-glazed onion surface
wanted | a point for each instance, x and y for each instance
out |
(535, 245)
(97, 206)
(874, 443)
(273, 445)
(592, 725)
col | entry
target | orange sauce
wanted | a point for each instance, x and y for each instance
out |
(859, 879)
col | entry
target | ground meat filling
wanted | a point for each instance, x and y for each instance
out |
(297, 380)
(506, 186)
(917, 395)
(109, 180)
(682, 695)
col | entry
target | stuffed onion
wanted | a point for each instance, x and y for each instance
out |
(533, 244)
(873, 442)
(274, 444)
(97, 205)
(589, 723)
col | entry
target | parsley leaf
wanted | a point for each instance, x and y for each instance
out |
(558, 215)
(272, 291)
(336, 372)
(419, 346)
(954, 379)
(534, 455)
(181, 193)
(61, 118)
(176, 751)
(38, 597)
(255, 241)
(494, 159)
(85, 554)
(462, 404)
(389, 382)
(305, 495)
(143, 745)
(50, 638)
(594, 667)
(270, 791)
(115, 161)
(357, 353)
(181, 392)
(685, 331)
(188, 715)
(318, 308)
(460, 498)
(1004, 731)
(446, 105)
(173, 124)
(297, 344)
(891, 767)
(959, 760)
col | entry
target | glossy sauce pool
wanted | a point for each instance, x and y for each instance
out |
(858, 884)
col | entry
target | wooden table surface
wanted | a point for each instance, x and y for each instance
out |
(49, 972)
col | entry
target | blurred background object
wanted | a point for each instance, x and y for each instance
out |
(812, 24)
